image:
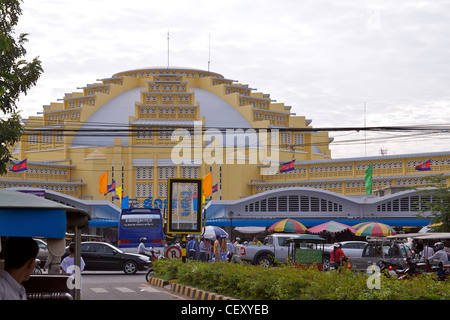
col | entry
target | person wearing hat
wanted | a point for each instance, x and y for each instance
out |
(440, 254)
(337, 256)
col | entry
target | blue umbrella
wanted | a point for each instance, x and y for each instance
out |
(211, 232)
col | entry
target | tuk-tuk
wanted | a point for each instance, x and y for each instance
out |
(306, 251)
(28, 215)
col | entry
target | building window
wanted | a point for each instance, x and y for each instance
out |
(162, 190)
(166, 172)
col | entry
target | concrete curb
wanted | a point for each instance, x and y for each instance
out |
(197, 294)
(190, 292)
(158, 282)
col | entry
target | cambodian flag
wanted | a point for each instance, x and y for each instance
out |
(111, 187)
(287, 166)
(424, 166)
(215, 187)
(21, 166)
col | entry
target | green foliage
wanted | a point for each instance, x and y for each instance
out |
(435, 198)
(245, 281)
(17, 76)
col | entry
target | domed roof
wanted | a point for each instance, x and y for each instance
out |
(113, 117)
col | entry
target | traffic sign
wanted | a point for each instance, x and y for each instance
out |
(173, 252)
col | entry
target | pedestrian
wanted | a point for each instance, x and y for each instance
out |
(223, 249)
(52, 264)
(230, 247)
(68, 263)
(256, 241)
(202, 249)
(20, 259)
(208, 250)
(337, 256)
(426, 253)
(192, 249)
(217, 249)
(236, 249)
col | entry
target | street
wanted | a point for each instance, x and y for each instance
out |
(115, 285)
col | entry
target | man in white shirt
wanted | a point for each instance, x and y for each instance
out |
(426, 253)
(440, 254)
(20, 259)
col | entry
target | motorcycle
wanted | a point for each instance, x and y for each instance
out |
(392, 269)
(150, 272)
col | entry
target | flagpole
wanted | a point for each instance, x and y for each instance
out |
(365, 131)
(112, 178)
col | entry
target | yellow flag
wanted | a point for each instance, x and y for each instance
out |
(207, 184)
(119, 193)
(103, 183)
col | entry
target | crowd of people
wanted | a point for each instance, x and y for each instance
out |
(429, 250)
(204, 250)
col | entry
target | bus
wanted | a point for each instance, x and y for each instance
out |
(136, 223)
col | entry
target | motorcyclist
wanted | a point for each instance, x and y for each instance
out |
(141, 249)
(440, 255)
(337, 256)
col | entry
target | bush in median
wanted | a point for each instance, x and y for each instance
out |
(245, 281)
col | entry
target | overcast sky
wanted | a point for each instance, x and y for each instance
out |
(326, 59)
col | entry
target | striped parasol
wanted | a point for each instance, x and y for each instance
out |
(375, 229)
(359, 225)
(288, 225)
(330, 227)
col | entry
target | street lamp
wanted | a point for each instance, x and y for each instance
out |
(230, 215)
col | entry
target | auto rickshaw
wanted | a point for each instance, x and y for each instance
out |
(28, 215)
(306, 251)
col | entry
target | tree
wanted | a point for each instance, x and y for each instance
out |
(17, 76)
(435, 199)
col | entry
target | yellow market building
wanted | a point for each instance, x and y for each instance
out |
(145, 126)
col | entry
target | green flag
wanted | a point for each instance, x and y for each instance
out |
(368, 180)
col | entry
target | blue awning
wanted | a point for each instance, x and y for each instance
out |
(27, 215)
(314, 222)
(47, 223)
(99, 223)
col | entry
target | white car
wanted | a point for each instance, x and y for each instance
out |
(350, 248)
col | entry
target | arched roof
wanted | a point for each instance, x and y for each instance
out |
(114, 115)
(312, 206)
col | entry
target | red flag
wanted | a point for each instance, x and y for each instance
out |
(287, 166)
(21, 166)
(424, 166)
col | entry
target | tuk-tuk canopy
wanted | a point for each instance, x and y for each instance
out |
(307, 237)
(27, 215)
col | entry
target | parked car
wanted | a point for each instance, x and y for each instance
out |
(350, 248)
(106, 257)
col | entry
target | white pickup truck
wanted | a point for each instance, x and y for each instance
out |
(273, 250)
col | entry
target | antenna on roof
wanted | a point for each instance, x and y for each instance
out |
(168, 56)
(209, 52)
(365, 132)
